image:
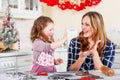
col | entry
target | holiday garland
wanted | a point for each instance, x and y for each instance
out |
(72, 4)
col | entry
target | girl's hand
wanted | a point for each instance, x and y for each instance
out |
(58, 43)
(58, 61)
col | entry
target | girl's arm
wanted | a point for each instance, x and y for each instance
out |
(58, 43)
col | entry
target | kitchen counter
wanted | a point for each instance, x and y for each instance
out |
(16, 61)
(16, 53)
(94, 72)
(117, 50)
(13, 76)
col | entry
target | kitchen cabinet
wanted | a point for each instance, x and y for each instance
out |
(25, 9)
(116, 64)
(17, 61)
(21, 61)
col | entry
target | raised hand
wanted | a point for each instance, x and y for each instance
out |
(93, 49)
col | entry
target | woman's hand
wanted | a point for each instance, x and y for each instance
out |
(95, 55)
(84, 54)
(93, 49)
(58, 61)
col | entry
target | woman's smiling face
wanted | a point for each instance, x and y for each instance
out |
(86, 27)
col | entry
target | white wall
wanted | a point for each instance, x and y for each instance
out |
(110, 9)
(24, 28)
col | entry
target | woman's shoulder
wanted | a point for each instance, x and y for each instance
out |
(110, 43)
(76, 39)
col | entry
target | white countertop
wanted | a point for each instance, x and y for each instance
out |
(4, 76)
(98, 73)
(16, 53)
(117, 50)
(95, 72)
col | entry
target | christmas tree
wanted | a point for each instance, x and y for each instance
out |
(8, 33)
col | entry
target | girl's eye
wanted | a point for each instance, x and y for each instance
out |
(81, 23)
(51, 29)
(87, 24)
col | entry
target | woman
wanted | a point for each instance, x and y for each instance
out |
(91, 49)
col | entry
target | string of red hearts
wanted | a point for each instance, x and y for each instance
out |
(71, 4)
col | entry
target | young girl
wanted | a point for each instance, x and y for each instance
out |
(43, 45)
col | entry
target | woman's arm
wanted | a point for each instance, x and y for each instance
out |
(77, 64)
(109, 55)
(75, 60)
(96, 59)
(97, 62)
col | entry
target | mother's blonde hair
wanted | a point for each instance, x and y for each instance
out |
(97, 23)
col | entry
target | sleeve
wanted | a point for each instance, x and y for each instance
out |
(38, 46)
(70, 54)
(41, 46)
(109, 55)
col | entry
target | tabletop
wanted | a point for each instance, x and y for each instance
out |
(59, 76)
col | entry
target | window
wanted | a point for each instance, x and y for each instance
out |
(22, 8)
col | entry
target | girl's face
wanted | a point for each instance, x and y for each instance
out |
(49, 30)
(86, 27)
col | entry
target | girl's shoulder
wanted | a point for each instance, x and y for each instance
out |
(41, 45)
(39, 41)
